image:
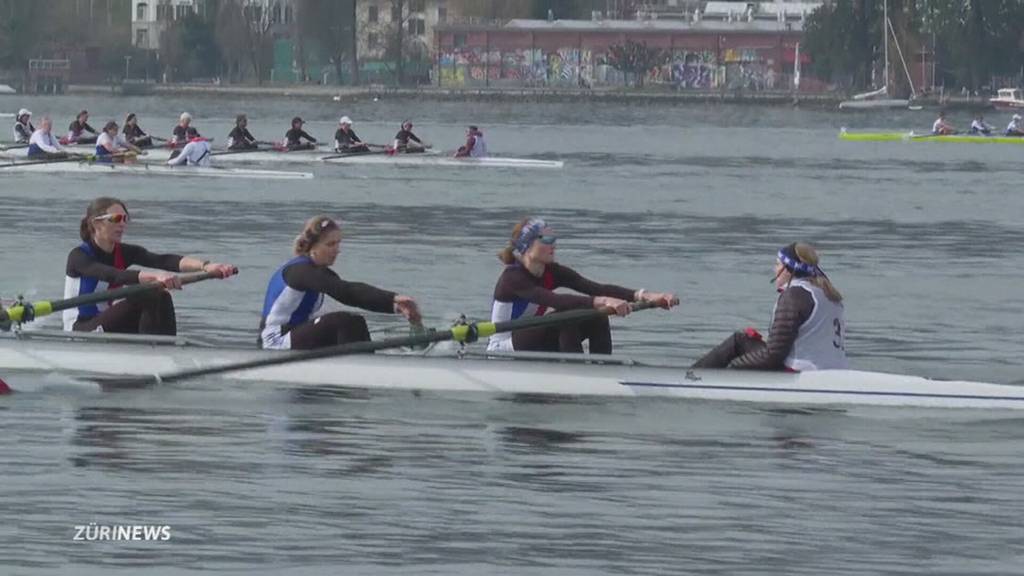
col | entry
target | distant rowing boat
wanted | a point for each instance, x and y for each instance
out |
(144, 169)
(914, 137)
(426, 160)
(25, 359)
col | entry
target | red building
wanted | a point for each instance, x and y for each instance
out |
(703, 55)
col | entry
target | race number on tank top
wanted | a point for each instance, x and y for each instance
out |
(820, 342)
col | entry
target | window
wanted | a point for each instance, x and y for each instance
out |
(182, 11)
(140, 12)
(396, 14)
(164, 11)
(371, 40)
(374, 14)
(442, 14)
(417, 27)
(417, 5)
(142, 38)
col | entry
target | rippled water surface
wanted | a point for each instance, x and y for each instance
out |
(924, 240)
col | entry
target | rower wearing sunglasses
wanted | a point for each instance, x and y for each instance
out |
(101, 262)
(527, 287)
(291, 316)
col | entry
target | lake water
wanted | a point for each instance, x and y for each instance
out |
(924, 240)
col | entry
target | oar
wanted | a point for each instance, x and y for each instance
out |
(350, 154)
(28, 312)
(70, 158)
(461, 333)
(245, 151)
(6, 147)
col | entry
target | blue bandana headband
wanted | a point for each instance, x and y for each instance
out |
(790, 261)
(530, 232)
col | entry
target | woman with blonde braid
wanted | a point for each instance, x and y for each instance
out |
(808, 327)
(295, 295)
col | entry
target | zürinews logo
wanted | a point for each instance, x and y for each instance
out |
(94, 532)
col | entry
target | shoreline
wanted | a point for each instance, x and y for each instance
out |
(539, 95)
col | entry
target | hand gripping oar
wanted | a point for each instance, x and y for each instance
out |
(26, 312)
(460, 333)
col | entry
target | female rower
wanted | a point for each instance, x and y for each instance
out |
(345, 139)
(78, 128)
(475, 146)
(405, 138)
(240, 138)
(110, 146)
(183, 131)
(808, 327)
(101, 263)
(295, 294)
(526, 288)
(133, 133)
(23, 128)
(295, 136)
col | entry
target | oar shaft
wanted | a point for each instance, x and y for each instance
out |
(46, 307)
(461, 333)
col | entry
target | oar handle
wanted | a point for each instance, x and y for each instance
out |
(29, 311)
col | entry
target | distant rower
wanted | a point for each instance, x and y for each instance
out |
(43, 145)
(78, 128)
(23, 128)
(345, 139)
(195, 153)
(978, 126)
(527, 287)
(475, 147)
(405, 138)
(1015, 127)
(941, 127)
(240, 138)
(295, 295)
(808, 327)
(183, 131)
(110, 146)
(295, 136)
(133, 133)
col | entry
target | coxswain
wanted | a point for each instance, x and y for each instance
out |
(979, 127)
(196, 153)
(1015, 127)
(101, 262)
(527, 287)
(475, 147)
(183, 131)
(404, 140)
(240, 138)
(43, 145)
(345, 139)
(111, 146)
(941, 127)
(808, 328)
(23, 128)
(78, 128)
(133, 133)
(292, 316)
(293, 138)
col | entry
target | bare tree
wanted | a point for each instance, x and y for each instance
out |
(246, 27)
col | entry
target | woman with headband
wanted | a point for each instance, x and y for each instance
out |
(527, 286)
(291, 309)
(808, 329)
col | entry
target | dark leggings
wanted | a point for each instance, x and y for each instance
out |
(144, 142)
(330, 330)
(243, 145)
(568, 338)
(736, 345)
(147, 313)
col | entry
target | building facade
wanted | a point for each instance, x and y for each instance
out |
(419, 19)
(756, 55)
(151, 17)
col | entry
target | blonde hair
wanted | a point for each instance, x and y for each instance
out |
(508, 253)
(314, 229)
(808, 255)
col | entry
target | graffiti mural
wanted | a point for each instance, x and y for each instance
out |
(694, 70)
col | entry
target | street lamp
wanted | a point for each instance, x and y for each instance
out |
(127, 63)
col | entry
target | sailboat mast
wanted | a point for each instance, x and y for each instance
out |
(885, 42)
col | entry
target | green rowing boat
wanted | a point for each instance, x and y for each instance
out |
(912, 137)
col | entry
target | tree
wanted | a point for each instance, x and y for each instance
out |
(245, 29)
(331, 23)
(637, 58)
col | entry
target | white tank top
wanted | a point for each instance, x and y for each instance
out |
(479, 147)
(821, 341)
